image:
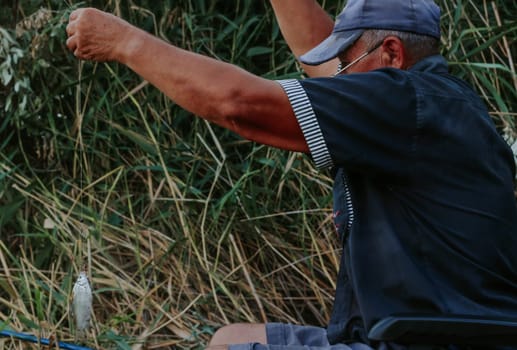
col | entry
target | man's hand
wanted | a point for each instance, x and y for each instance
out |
(96, 35)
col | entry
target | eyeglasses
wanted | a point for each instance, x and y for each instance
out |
(341, 69)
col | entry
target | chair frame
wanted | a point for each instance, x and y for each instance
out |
(446, 329)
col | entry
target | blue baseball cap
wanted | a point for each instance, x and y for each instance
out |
(416, 16)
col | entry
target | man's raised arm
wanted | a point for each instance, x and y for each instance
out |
(304, 24)
(255, 108)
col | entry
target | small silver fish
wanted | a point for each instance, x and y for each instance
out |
(82, 302)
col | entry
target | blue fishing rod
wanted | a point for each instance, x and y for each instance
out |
(43, 341)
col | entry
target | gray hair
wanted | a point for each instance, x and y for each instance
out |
(417, 46)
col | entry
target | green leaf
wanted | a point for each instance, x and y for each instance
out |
(258, 50)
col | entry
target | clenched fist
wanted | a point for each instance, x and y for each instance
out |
(96, 35)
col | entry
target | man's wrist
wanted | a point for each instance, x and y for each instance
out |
(130, 43)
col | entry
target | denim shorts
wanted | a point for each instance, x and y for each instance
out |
(282, 336)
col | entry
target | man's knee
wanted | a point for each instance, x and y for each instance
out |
(239, 333)
(217, 347)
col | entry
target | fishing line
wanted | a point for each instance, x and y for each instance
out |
(81, 292)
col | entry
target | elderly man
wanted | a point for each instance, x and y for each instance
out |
(423, 183)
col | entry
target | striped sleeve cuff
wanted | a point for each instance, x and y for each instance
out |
(308, 123)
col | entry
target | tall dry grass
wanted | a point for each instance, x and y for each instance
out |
(183, 226)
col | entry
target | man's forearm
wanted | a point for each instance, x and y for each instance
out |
(304, 24)
(195, 82)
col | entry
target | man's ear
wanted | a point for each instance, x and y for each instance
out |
(393, 53)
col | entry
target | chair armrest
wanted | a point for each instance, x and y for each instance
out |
(445, 330)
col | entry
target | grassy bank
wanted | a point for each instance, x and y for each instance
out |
(183, 226)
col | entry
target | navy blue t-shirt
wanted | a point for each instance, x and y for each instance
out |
(423, 194)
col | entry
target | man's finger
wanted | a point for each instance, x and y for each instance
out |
(74, 15)
(70, 28)
(71, 44)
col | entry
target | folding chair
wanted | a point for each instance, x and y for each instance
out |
(450, 329)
